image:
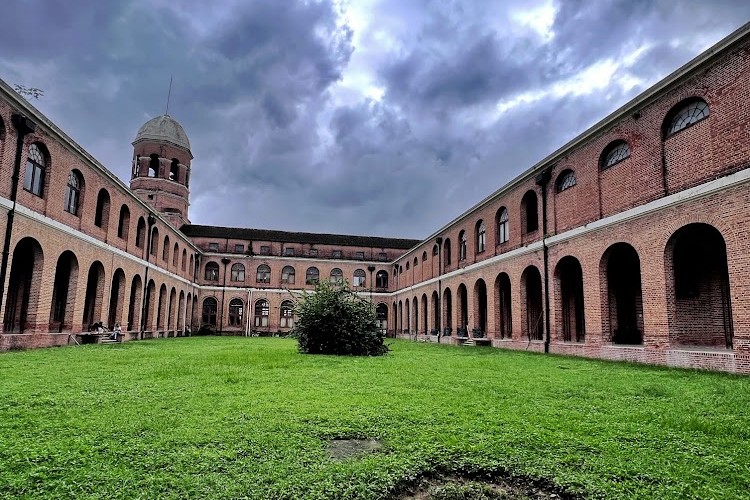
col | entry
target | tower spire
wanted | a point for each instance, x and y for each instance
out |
(169, 94)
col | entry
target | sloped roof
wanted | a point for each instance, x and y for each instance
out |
(198, 231)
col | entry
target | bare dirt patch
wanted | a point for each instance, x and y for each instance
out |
(481, 487)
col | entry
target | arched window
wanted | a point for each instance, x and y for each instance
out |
(174, 170)
(209, 311)
(154, 242)
(462, 245)
(481, 236)
(529, 212)
(359, 278)
(435, 250)
(614, 153)
(287, 275)
(503, 229)
(684, 115)
(123, 225)
(212, 271)
(407, 265)
(101, 216)
(286, 314)
(235, 312)
(416, 262)
(261, 313)
(312, 276)
(424, 256)
(140, 234)
(566, 180)
(238, 272)
(263, 274)
(165, 249)
(153, 166)
(36, 165)
(447, 252)
(73, 192)
(175, 255)
(381, 279)
(184, 259)
(337, 276)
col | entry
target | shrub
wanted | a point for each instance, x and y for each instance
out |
(334, 320)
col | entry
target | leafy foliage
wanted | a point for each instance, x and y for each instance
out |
(334, 320)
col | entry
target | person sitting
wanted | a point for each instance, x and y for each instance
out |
(116, 332)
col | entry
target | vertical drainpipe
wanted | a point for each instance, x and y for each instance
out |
(541, 180)
(371, 268)
(439, 243)
(23, 127)
(151, 221)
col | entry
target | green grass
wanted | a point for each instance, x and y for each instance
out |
(250, 417)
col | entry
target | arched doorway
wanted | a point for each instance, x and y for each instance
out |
(462, 328)
(503, 307)
(181, 312)
(435, 313)
(64, 292)
(116, 298)
(623, 303)
(480, 308)
(134, 306)
(569, 283)
(148, 315)
(533, 310)
(92, 306)
(699, 304)
(23, 286)
(381, 313)
(448, 311)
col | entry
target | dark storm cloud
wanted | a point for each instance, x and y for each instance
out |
(274, 95)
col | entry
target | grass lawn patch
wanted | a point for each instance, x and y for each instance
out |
(223, 417)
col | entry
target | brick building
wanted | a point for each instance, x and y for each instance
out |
(629, 242)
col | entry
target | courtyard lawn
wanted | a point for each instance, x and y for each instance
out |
(226, 417)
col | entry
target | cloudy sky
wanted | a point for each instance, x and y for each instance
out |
(378, 117)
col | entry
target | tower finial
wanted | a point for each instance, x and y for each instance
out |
(169, 94)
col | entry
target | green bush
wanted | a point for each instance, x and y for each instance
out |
(334, 320)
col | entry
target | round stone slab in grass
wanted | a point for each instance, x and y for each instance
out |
(341, 449)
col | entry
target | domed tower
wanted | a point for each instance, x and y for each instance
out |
(161, 168)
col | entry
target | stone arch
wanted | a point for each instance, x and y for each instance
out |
(448, 311)
(480, 309)
(116, 298)
(699, 306)
(435, 301)
(181, 312)
(22, 301)
(134, 306)
(161, 312)
(622, 297)
(503, 311)
(148, 316)
(462, 326)
(569, 306)
(64, 292)
(531, 303)
(92, 306)
(171, 312)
